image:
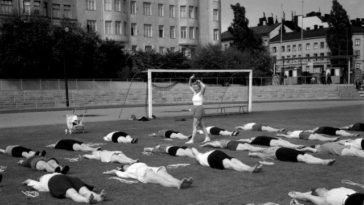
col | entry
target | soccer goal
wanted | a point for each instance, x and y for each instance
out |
(227, 90)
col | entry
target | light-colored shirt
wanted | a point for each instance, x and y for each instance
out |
(42, 184)
(136, 171)
(338, 196)
(197, 99)
(202, 158)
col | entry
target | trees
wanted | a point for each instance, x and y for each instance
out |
(256, 56)
(339, 35)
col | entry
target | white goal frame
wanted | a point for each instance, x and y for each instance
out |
(150, 88)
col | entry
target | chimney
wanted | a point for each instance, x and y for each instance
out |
(308, 28)
(315, 27)
(270, 21)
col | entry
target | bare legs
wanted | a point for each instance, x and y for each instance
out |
(283, 143)
(179, 136)
(239, 166)
(317, 200)
(122, 159)
(84, 195)
(271, 129)
(185, 153)
(309, 159)
(352, 152)
(248, 147)
(196, 123)
(163, 178)
(344, 133)
(84, 148)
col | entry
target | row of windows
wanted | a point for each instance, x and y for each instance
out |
(357, 42)
(119, 28)
(6, 7)
(294, 47)
(147, 10)
(109, 5)
(161, 49)
(315, 55)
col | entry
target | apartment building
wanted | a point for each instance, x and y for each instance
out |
(136, 24)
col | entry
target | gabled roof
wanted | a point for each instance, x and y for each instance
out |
(357, 29)
(260, 30)
(297, 35)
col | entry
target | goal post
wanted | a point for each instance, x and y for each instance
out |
(150, 85)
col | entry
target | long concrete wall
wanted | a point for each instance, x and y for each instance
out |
(13, 97)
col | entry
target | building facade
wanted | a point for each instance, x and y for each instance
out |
(136, 24)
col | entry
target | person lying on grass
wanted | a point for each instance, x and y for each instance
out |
(333, 131)
(146, 174)
(336, 196)
(270, 142)
(72, 145)
(44, 164)
(20, 151)
(354, 143)
(120, 137)
(62, 186)
(233, 145)
(354, 127)
(305, 135)
(180, 151)
(170, 134)
(219, 160)
(252, 126)
(110, 156)
(213, 130)
(335, 148)
(290, 155)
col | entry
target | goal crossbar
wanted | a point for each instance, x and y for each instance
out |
(150, 93)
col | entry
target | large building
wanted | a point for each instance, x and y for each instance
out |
(137, 24)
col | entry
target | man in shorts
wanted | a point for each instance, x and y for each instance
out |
(72, 145)
(336, 148)
(63, 186)
(110, 156)
(233, 145)
(252, 126)
(333, 131)
(305, 135)
(270, 142)
(44, 164)
(170, 134)
(20, 151)
(213, 130)
(180, 151)
(355, 127)
(120, 137)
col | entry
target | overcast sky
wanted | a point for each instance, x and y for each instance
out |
(255, 8)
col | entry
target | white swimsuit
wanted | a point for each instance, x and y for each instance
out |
(197, 99)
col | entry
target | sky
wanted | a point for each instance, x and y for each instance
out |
(255, 8)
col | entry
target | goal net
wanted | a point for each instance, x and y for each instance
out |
(228, 91)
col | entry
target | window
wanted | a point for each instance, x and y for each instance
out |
(148, 48)
(172, 11)
(216, 15)
(161, 31)
(196, 30)
(288, 57)
(294, 48)
(315, 45)
(147, 30)
(192, 34)
(67, 11)
(134, 48)
(183, 32)
(56, 11)
(289, 48)
(172, 49)
(357, 54)
(6, 6)
(108, 5)
(108, 27)
(133, 30)
(90, 5)
(307, 46)
(36, 7)
(161, 50)
(322, 56)
(196, 12)
(322, 45)
(299, 47)
(45, 9)
(117, 5)
(357, 65)
(118, 30)
(26, 7)
(283, 48)
(160, 10)
(124, 28)
(183, 12)
(133, 7)
(172, 32)
(357, 42)
(274, 49)
(190, 12)
(216, 34)
(147, 8)
(315, 55)
(91, 26)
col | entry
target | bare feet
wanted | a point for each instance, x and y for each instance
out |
(184, 183)
(257, 168)
(330, 162)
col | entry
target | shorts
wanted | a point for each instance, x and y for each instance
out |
(59, 184)
(327, 130)
(116, 135)
(67, 144)
(18, 150)
(287, 154)
(263, 140)
(168, 133)
(362, 144)
(216, 158)
(257, 127)
(215, 130)
(198, 112)
(357, 127)
(304, 135)
(355, 199)
(173, 150)
(232, 145)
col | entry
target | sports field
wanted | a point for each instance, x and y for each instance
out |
(210, 186)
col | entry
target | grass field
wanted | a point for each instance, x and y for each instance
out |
(210, 186)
